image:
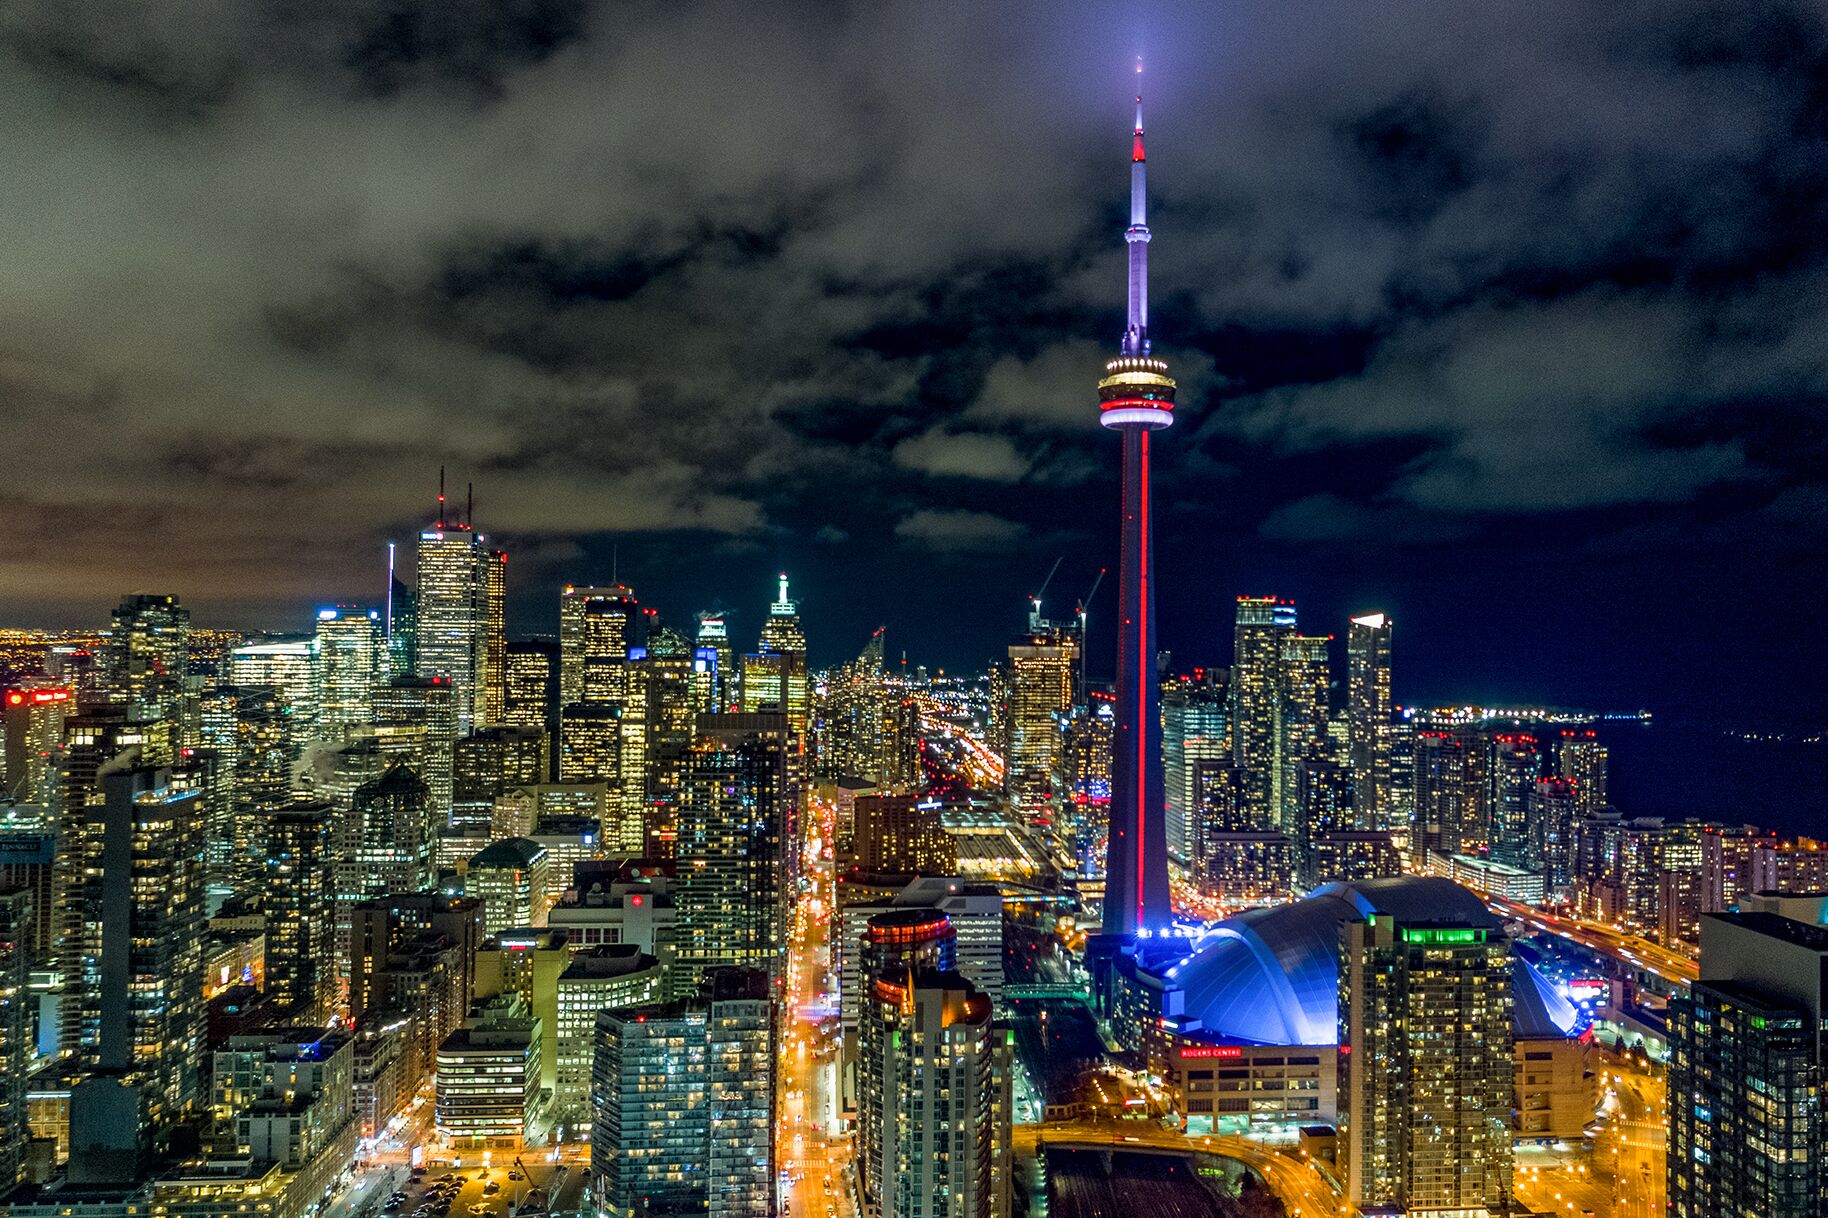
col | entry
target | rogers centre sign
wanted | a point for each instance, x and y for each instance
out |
(1223, 1051)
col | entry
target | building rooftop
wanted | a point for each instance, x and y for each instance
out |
(509, 852)
(1789, 930)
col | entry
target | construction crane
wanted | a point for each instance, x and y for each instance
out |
(1085, 603)
(1034, 602)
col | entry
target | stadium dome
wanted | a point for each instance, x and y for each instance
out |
(1271, 976)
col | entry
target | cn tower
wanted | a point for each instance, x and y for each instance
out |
(1136, 399)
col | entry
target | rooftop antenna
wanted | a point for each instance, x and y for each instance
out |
(441, 496)
(615, 564)
(469, 505)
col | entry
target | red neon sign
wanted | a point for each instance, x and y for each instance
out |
(39, 696)
(1204, 1051)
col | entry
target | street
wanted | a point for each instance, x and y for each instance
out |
(813, 1160)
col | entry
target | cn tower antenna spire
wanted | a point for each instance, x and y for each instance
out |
(1136, 326)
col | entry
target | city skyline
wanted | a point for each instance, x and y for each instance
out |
(730, 795)
(1601, 473)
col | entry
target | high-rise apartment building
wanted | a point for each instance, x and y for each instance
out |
(148, 654)
(350, 655)
(1446, 803)
(300, 926)
(139, 971)
(736, 860)
(1582, 759)
(935, 1070)
(16, 1010)
(683, 1096)
(1426, 1071)
(1196, 727)
(1747, 1130)
(1368, 711)
(1262, 623)
(1301, 728)
(1554, 813)
(1514, 765)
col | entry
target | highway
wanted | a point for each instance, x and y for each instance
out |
(1303, 1191)
(813, 1160)
(1610, 941)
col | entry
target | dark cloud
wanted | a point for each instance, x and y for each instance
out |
(739, 286)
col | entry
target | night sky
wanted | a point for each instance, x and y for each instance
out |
(1510, 319)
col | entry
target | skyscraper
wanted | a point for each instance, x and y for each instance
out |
(1581, 759)
(16, 1050)
(494, 636)
(893, 943)
(140, 970)
(774, 678)
(393, 823)
(34, 718)
(1196, 727)
(1301, 728)
(683, 1098)
(1425, 1070)
(1262, 622)
(350, 657)
(451, 613)
(1747, 1131)
(1038, 684)
(147, 654)
(597, 626)
(736, 835)
(424, 713)
(934, 1070)
(530, 691)
(1136, 399)
(722, 688)
(287, 668)
(1368, 708)
(300, 960)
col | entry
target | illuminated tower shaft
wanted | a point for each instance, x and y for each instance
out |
(1136, 397)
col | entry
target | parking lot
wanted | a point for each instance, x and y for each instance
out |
(497, 1191)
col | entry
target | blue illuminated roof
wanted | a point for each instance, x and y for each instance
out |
(1271, 976)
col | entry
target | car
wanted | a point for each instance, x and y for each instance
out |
(491, 1188)
(514, 1175)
